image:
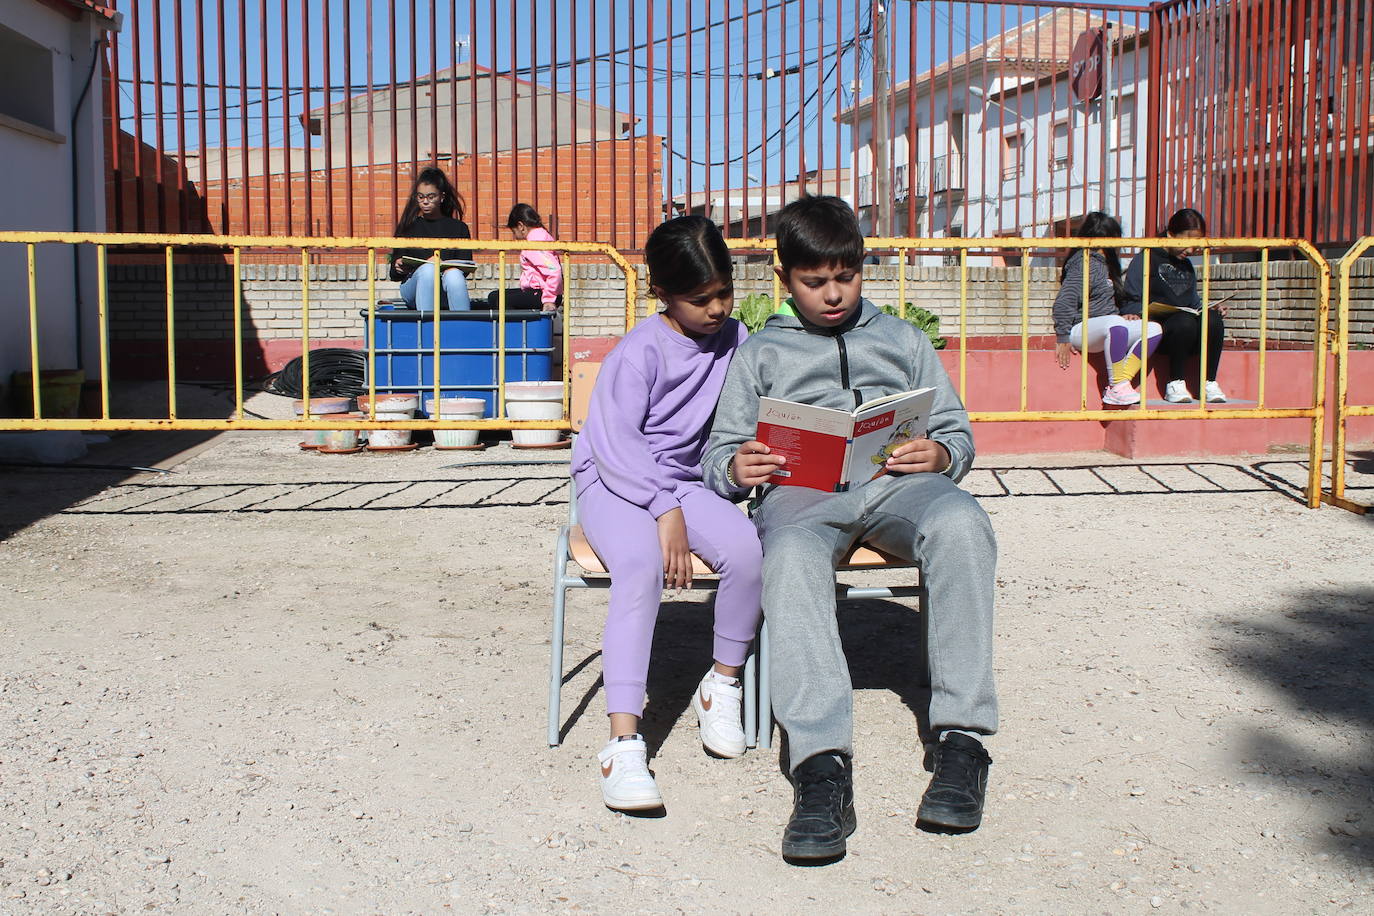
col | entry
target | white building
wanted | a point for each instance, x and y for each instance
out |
(51, 144)
(1000, 145)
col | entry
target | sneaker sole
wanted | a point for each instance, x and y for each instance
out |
(949, 819)
(728, 753)
(823, 850)
(632, 804)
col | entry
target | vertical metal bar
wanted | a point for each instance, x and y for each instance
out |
(305, 330)
(246, 187)
(201, 143)
(1344, 153)
(1206, 319)
(837, 162)
(103, 306)
(746, 227)
(350, 191)
(171, 343)
(537, 145)
(265, 180)
(801, 94)
(158, 125)
(112, 143)
(651, 129)
(1244, 106)
(710, 93)
(35, 369)
(371, 324)
(901, 283)
(393, 104)
(1085, 294)
(1035, 144)
(514, 189)
(501, 336)
(1263, 324)
(434, 304)
(1365, 113)
(453, 99)
(238, 334)
(964, 229)
(1145, 284)
(567, 320)
(432, 79)
(691, 179)
(1154, 139)
(1025, 325)
(135, 27)
(308, 170)
(371, 149)
(1260, 112)
(963, 324)
(1329, 70)
(930, 127)
(634, 126)
(1310, 130)
(180, 116)
(576, 144)
(326, 118)
(414, 106)
(1320, 342)
(288, 164)
(472, 113)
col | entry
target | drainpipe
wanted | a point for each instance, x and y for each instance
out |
(76, 200)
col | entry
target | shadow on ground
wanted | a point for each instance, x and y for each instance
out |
(1321, 657)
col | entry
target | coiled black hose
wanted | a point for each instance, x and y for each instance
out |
(334, 373)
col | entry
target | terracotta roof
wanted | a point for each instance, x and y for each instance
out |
(93, 7)
(1040, 46)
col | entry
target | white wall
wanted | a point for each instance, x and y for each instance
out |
(36, 188)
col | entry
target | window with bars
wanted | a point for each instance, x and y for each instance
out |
(1123, 124)
(1013, 155)
(1060, 157)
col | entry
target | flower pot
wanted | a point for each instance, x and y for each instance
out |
(535, 401)
(323, 406)
(337, 441)
(390, 403)
(456, 409)
(390, 438)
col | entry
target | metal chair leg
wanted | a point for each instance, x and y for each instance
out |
(560, 594)
(751, 701)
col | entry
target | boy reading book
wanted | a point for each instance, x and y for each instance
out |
(838, 350)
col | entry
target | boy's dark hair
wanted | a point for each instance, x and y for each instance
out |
(816, 231)
(524, 213)
(686, 253)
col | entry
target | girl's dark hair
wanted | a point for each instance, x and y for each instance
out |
(685, 254)
(524, 213)
(450, 201)
(1099, 225)
(1186, 220)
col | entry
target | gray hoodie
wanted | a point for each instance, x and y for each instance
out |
(871, 355)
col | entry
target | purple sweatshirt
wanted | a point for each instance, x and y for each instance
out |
(651, 411)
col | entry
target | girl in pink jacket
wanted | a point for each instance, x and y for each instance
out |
(541, 274)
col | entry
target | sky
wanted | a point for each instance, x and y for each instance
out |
(744, 91)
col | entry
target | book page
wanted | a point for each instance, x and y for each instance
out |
(878, 430)
(812, 439)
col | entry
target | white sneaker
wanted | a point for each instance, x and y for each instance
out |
(1176, 392)
(717, 703)
(1214, 394)
(626, 783)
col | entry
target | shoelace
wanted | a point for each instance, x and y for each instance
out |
(957, 766)
(818, 787)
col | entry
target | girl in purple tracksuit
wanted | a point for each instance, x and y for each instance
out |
(637, 469)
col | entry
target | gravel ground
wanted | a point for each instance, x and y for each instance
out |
(277, 681)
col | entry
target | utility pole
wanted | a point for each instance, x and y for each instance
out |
(882, 175)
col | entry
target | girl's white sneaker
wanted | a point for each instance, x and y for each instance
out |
(626, 783)
(717, 703)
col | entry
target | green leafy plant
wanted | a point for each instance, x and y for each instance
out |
(925, 320)
(754, 310)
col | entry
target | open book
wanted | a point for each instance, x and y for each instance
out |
(465, 266)
(1164, 308)
(833, 450)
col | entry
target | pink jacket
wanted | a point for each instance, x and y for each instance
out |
(541, 270)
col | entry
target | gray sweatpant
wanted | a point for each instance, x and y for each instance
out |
(924, 517)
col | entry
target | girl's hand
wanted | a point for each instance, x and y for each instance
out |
(752, 464)
(677, 556)
(919, 456)
(1223, 309)
(1063, 352)
(398, 265)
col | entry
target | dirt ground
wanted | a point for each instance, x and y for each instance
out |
(277, 681)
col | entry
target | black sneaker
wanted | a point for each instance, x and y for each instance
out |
(954, 798)
(822, 808)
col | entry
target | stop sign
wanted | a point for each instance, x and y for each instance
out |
(1085, 65)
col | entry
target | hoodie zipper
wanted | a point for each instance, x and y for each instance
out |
(844, 367)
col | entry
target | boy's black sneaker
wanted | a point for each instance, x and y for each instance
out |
(954, 798)
(822, 808)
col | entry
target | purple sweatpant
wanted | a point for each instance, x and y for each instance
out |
(625, 537)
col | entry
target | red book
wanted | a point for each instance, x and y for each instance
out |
(834, 450)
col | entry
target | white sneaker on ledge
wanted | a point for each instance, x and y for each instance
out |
(1176, 392)
(626, 783)
(717, 704)
(1214, 394)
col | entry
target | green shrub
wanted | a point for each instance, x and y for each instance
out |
(754, 310)
(925, 320)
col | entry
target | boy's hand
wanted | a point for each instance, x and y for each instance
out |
(752, 464)
(919, 456)
(677, 556)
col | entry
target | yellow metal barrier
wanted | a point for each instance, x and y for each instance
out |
(1315, 413)
(1344, 409)
(236, 244)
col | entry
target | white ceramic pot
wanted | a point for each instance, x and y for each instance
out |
(459, 409)
(535, 401)
(390, 438)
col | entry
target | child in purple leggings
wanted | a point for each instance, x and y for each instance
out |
(637, 469)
